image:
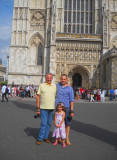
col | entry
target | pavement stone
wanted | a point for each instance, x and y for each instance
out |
(93, 132)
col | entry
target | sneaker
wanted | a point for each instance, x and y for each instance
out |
(38, 142)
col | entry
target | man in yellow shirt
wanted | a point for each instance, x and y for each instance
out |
(45, 107)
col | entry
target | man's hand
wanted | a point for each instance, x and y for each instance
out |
(38, 110)
(38, 107)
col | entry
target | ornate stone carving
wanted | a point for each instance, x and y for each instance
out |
(53, 20)
(105, 29)
(59, 13)
(37, 20)
(77, 52)
(62, 68)
(114, 21)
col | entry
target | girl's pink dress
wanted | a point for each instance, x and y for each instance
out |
(59, 132)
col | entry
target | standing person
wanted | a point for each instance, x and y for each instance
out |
(32, 91)
(98, 95)
(22, 92)
(4, 93)
(45, 107)
(88, 96)
(95, 93)
(77, 95)
(59, 130)
(92, 99)
(17, 91)
(111, 93)
(115, 93)
(13, 91)
(102, 96)
(65, 95)
(9, 91)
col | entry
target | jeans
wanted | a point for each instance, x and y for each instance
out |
(46, 119)
(111, 97)
(4, 95)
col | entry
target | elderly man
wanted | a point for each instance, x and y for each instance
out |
(45, 107)
(65, 95)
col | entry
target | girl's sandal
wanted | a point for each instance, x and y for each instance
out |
(68, 143)
(64, 145)
(55, 143)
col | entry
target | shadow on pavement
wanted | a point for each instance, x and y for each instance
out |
(34, 133)
(25, 106)
(95, 132)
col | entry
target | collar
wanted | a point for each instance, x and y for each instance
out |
(49, 84)
(62, 85)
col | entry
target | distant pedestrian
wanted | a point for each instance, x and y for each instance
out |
(115, 93)
(32, 91)
(98, 95)
(4, 93)
(92, 97)
(88, 96)
(102, 96)
(22, 92)
(111, 94)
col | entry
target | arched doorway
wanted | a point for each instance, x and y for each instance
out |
(79, 77)
(77, 81)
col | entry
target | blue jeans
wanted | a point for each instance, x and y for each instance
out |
(46, 119)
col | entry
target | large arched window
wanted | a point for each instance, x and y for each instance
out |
(78, 13)
(40, 55)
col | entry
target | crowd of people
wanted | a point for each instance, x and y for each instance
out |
(95, 94)
(17, 91)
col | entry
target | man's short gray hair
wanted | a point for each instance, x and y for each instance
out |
(64, 75)
(49, 74)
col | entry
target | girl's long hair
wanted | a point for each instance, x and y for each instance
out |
(62, 105)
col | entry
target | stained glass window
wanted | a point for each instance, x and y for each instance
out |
(78, 16)
(69, 28)
(74, 17)
(65, 28)
(74, 4)
(40, 53)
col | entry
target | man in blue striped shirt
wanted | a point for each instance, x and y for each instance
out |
(65, 95)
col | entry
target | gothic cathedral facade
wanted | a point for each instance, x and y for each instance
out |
(75, 37)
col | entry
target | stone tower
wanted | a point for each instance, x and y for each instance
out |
(64, 36)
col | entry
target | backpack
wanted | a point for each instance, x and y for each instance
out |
(6, 91)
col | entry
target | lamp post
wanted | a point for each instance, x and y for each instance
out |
(7, 69)
(97, 81)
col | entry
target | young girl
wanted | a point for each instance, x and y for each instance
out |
(59, 130)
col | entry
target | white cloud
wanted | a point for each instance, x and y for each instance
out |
(4, 52)
(5, 32)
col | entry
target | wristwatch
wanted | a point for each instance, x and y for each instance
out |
(37, 109)
(71, 111)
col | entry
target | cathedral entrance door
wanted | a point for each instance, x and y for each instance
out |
(77, 81)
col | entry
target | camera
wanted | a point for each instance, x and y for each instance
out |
(37, 115)
(69, 118)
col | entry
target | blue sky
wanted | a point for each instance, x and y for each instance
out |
(6, 14)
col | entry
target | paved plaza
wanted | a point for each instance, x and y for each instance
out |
(93, 132)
